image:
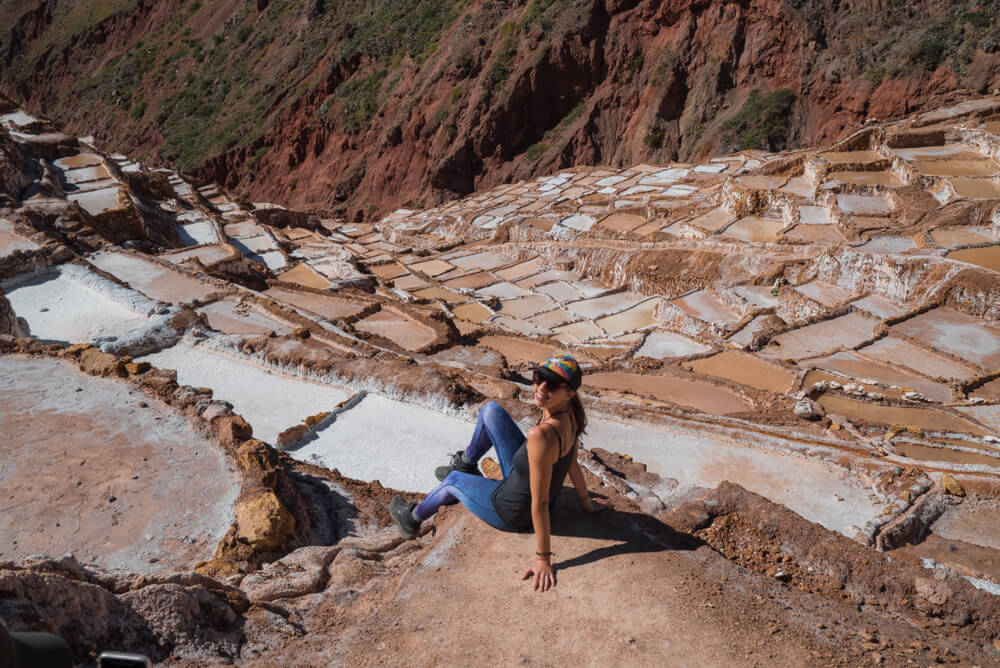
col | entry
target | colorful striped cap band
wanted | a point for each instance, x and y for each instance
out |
(562, 367)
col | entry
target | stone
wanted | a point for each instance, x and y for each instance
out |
(290, 436)
(137, 368)
(263, 522)
(951, 485)
(232, 429)
(808, 409)
(96, 363)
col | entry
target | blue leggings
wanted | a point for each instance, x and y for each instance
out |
(494, 429)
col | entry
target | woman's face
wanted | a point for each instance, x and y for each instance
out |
(549, 394)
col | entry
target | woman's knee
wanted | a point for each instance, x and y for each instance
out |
(491, 409)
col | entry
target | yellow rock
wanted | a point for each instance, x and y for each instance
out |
(264, 522)
(952, 486)
(314, 420)
(135, 368)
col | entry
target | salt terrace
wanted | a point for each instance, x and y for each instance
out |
(820, 326)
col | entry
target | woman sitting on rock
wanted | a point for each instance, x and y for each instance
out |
(534, 468)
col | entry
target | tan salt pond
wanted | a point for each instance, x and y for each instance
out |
(226, 317)
(560, 291)
(150, 278)
(840, 157)
(399, 328)
(579, 331)
(744, 369)
(207, 255)
(447, 296)
(961, 335)
(306, 276)
(524, 307)
(639, 316)
(869, 178)
(483, 260)
(879, 306)
(473, 312)
(518, 351)
(923, 418)
(599, 306)
(388, 271)
(96, 202)
(954, 151)
(976, 188)
(409, 282)
(864, 205)
(946, 237)
(552, 318)
(532, 266)
(824, 293)
(699, 395)
(471, 281)
(957, 167)
(622, 222)
(714, 220)
(11, 242)
(85, 174)
(990, 390)
(331, 308)
(901, 352)
(820, 234)
(853, 366)
(432, 267)
(985, 256)
(848, 331)
(754, 229)
(705, 306)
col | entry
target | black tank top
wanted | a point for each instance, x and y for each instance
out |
(512, 498)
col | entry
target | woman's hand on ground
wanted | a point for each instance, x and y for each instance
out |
(590, 505)
(543, 574)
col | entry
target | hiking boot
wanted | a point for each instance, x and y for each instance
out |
(402, 513)
(458, 463)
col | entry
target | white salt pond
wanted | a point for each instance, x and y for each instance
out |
(953, 332)
(812, 340)
(382, 439)
(196, 234)
(65, 306)
(270, 401)
(806, 486)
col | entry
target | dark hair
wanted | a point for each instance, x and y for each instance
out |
(579, 415)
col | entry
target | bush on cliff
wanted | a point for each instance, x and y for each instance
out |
(763, 121)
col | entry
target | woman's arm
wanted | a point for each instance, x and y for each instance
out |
(580, 485)
(540, 460)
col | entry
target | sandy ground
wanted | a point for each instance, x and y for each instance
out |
(91, 467)
(271, 402)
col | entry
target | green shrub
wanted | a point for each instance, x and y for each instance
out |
(139, 109)
(456, 93)
(500, 68)
(360, 96)
(763, 121)
(535, 151)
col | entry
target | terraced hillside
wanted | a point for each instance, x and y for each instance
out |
(357, 108)
(792, 368)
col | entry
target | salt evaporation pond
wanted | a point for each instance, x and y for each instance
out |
(394, 442)
(661, 345)
(270, 401)
(806, 486)
(103, 473)
(62, 307)
(150, 278)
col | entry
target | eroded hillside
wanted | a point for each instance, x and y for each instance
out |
(357, 107)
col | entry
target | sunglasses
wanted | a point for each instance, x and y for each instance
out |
(537, 379)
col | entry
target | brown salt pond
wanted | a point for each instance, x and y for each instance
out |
(473, 312)
(869, 178)
(922, 418)
(744, 369)
(989, 391)
(306, 276)
(328, 307)
(80, 160)
(229, 318)
(150, 278)
(928, 453)
(483, 260)
(389, 270)
(523, 269)
(714, 220)
(699, 395)
(953, 151)
(474, 281)
(621, 223)
(957, 167)
(976, 188)
(638, 317)
(812, 340)
(987, 257)
(399, 328)
(903, 353)
(841, 157)
(432, 267)
(952, 332)
(853, 366)
(90, 466)
(447, 296)
(518, 352)
(976, 522)
(755, 230)
(946, 237)
(820, 234)
(409, 282)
